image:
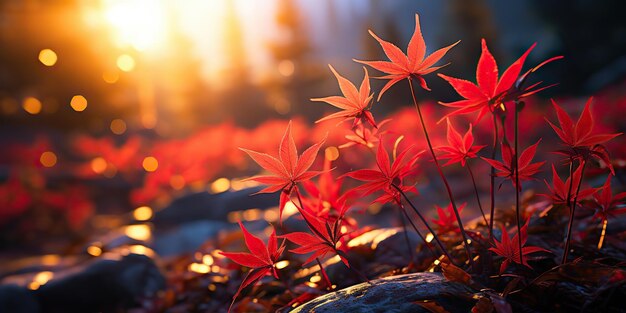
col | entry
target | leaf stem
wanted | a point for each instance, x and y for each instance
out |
(443, 177)
(571, 212)
(427, 244)
(471, 173)
(441, 246)
(406, 236)
(517, 183)
(492, 189)
(324, 275)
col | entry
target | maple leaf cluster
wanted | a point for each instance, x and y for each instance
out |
(391, 179)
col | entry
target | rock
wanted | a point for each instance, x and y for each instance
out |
(105, 285)
(206, 206)
(394, 294)
(187, 237)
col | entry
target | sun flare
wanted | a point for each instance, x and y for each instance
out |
(137, 23)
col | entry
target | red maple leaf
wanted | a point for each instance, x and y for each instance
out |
(459, 148)
(413, 64)
(562, 193)
(388, 175)
(526, 169)
(579, 137)
(447, 222)
(365, 136)
(325, 195)
(489, 92)
(261, 259)
(287, 170)
(354, 103)
(326, 238)
(606, 204)
(509, 248)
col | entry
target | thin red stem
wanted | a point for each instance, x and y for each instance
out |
(324, 275)
(443, 177)
(406, 236)
(471, 173)
(572, 211)
(492, 189)
(441, 246)
(406, 214)
(517, 184)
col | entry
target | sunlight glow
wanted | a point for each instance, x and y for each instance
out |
(137, 23)
(125, 63)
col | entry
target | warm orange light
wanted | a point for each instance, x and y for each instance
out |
(177, 182)
(220, 185)
(142, 213)
(118, 126)
(251, 214)
(125, 63)
(110, 77)
(31, 105)
(429, 237)
(315, 278)
(98, 165)
(331, 153)
(94, 250)
(199, 268)
(143, 250)
(207, 259)
(289, 210)
(48, 57)
(78, 103)
(282, 264)
(150, 164)
(43, 277)
(48, 159)
(50, 260)
(138, 23)
(286, 68)
(138, 232)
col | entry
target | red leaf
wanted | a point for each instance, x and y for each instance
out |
(402, 66)
(487, 71)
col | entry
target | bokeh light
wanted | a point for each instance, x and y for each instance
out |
(139, 232)
(125, 63)
(118, 126)
(48, 57)
(142, 213)
(31, 105)
(110, 77)
(220, 185)
(48, 159)
(150, 164)
(78, 103)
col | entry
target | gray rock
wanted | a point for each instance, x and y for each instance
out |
(394, 294)
(105, 285)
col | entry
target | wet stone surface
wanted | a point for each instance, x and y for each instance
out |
(394, 294)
